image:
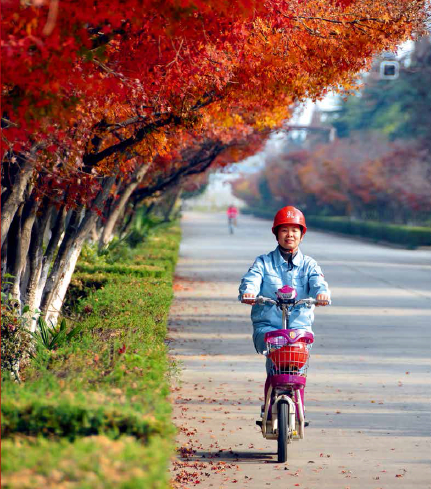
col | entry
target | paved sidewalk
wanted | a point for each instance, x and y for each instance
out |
(369, 386)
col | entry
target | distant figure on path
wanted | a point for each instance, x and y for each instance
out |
(232, 215)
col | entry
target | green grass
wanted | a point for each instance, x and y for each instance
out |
(99, 403)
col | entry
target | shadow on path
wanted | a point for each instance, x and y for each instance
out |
(234, 457)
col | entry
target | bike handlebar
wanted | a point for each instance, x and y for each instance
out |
(308, 302)
(261, 300)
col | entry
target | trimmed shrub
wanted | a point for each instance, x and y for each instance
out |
(87, 463)
(139, 270)
(406, 236)
(76, 416)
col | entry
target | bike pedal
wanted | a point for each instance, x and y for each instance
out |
(259, 423)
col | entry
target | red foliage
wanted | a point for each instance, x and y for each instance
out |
(82, 79)
(376, 180)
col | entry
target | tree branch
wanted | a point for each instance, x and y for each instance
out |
(91, 159)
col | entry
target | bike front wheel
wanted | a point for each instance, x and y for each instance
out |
(283, 430)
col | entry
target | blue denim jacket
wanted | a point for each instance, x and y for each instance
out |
(270, 272)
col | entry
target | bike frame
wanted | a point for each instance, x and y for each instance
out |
(286, 387)
(285, 383)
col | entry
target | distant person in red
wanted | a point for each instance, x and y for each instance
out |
(232, 214)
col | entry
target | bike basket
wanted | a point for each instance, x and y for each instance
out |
(288, 358)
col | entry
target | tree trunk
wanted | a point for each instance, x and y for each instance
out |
(95, 233)
(13, 259)
(60, 260)
(170, 198)
(129, 216)
(4, 258)
(63, 284)
(35, 260)
(118, 207)
(53, 243)
(15, 198)
(27, 220)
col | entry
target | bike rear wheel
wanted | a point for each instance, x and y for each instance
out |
(283, 430)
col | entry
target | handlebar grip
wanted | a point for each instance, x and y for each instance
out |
(261, 300)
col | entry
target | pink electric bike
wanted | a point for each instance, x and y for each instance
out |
(288, 354)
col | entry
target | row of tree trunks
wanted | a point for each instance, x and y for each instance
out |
(132, 195)
(120, 204)
(76, 233)
(42, 240)
(40, 278)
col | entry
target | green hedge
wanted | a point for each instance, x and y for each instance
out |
(156, 270)
(108, 388)
(406, 236)
(95, 462)
(72, 418)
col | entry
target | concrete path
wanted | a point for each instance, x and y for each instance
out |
(369, 385)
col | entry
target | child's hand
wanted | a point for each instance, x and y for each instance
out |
(322, 299)
(248, 299)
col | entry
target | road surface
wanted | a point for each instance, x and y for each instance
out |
(369, 385)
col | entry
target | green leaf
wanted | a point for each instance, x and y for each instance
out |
(73, 332)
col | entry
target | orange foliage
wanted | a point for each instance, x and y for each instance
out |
(88, 89)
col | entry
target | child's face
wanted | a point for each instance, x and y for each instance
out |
(289, 236)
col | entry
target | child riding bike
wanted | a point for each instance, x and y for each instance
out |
(286, 265)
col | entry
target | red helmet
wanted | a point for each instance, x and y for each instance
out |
(289, 215)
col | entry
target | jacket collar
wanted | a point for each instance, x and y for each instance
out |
(279, 260)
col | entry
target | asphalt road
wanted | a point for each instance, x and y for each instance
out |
(368, 391)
